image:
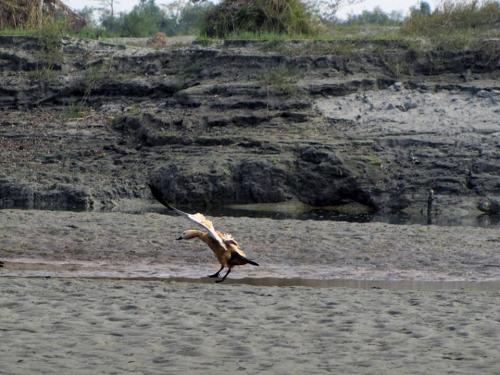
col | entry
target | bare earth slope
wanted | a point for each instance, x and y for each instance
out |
(320, 122)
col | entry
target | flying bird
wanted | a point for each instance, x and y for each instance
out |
(226, 249)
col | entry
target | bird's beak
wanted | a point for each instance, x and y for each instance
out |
(179, 238)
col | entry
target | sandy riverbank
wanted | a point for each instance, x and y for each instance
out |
(55, 243)
(83, 326)
(329, 297)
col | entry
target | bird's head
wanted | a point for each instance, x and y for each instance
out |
(188, 234)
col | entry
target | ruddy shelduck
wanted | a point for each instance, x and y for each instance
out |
(226, 249)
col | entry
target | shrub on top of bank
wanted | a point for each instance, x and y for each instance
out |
(258, 16)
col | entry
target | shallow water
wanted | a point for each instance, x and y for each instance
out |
(280, 275)
(299, 211)
(397, 285)
(468, 286)
(33, 268)
(283, 211)
(484, 221)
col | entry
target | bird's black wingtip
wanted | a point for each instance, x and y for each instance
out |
(155, 191)
(159, 196)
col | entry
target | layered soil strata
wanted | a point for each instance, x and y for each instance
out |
(318, 122)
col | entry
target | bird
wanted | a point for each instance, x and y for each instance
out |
(225, 248)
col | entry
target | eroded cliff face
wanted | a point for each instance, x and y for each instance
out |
(323, 123)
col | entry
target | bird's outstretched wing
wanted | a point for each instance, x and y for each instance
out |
(197, 218)
(227, 238)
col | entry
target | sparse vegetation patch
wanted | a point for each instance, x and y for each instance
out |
(454, 24)
(282, 79)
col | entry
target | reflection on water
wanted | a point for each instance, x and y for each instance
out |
(401, 218)
(430, 286)
(357, 284)
(286, 210)
(354, 213)
(290, 276)
(317, 214)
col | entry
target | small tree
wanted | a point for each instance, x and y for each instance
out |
(375, 17)
(144, 19)
(423, 9)
(87, 13)
(187, 16)
(108, 7)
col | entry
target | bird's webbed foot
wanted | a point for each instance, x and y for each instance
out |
(217, 273)
(224, 278)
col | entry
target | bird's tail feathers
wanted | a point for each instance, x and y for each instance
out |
(240, 259)
(252, 262)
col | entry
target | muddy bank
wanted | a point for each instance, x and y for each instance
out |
(52, 243)
(321, 123)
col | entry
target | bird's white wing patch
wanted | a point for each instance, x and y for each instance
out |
(202, 221)
(196, 218)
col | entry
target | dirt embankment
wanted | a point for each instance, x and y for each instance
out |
(322, 123)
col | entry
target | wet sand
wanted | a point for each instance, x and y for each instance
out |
(55, 243)
(111, 293)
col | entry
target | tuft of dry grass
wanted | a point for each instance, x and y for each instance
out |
(20, 13)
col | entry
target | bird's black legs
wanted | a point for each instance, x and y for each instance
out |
(224, 278)
(217, 273)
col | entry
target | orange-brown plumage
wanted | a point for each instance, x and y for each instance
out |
(225, 248)
(230, 256)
